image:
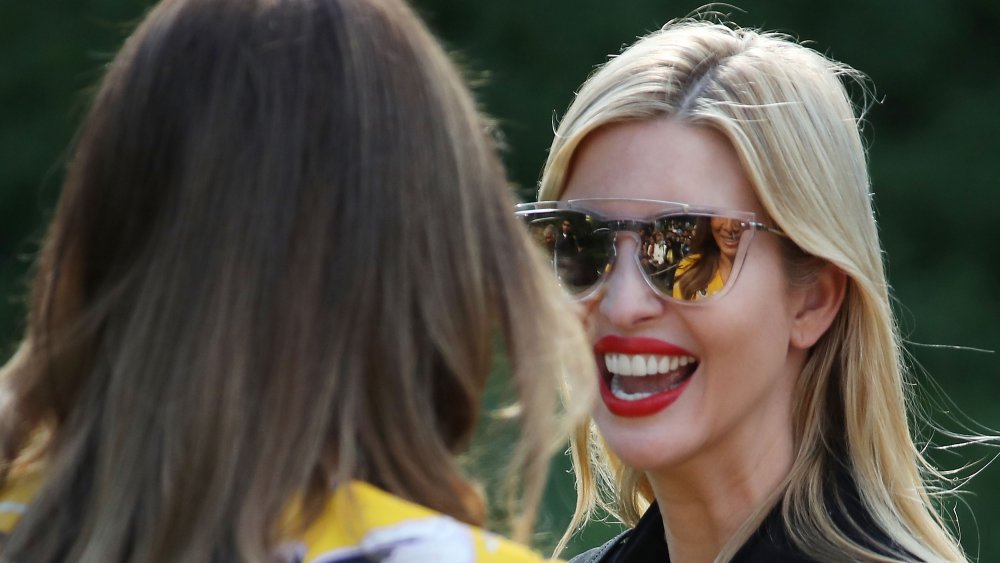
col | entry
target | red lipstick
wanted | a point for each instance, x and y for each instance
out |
(652, 404)
(622, 345)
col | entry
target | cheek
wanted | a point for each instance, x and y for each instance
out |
(758, 336)
(749, 374)
(762, 278)
(760, 315)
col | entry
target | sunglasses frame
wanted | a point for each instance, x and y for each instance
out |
(632, 226)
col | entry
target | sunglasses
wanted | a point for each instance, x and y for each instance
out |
(686, 253)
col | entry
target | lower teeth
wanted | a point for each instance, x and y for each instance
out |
(618, 392)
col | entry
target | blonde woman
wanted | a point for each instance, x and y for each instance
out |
(255, 333)
(766, 419)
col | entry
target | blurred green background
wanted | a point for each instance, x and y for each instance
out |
(933, 139)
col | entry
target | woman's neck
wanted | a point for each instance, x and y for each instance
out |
(705, 500)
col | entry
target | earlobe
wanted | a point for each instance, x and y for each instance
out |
(819, 305)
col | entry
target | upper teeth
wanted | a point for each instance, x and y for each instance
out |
(635, 364)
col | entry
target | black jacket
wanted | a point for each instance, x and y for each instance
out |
(645, 543)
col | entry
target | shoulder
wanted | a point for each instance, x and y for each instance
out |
(361, 521)
(686, 263)
(15, 496)
(854, 519)
(600, 553)
(773, 541)
(642, 543)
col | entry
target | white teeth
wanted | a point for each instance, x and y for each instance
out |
(641, 365)
(617, 391)
(624, 365)
(638, 365)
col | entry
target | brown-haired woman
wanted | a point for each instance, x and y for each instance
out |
(254, 331)
(703, 273)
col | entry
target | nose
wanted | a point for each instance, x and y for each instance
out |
(626, 299)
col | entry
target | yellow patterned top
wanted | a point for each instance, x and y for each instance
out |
(715, 285)
(359, 524)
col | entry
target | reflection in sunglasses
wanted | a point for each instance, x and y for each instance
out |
(683, 256)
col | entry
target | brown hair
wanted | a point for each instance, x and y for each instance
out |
(281, 258)
(697, 277)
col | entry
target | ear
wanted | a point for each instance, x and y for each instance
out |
(817, 306)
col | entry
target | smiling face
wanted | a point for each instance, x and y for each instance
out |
(687, 385)
(726, 233)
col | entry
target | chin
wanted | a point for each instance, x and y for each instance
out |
(646, 447)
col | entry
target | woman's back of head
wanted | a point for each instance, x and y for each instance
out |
(281, 256)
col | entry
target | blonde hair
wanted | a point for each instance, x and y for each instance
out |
(787, 112)
(282, 259)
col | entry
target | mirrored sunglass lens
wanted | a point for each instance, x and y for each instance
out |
(689, 257)
(579, 249)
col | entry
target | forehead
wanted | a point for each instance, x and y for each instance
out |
(661, 159)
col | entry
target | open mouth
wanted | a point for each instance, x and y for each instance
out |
(642, 376)
(731, 240)
(632, 377)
